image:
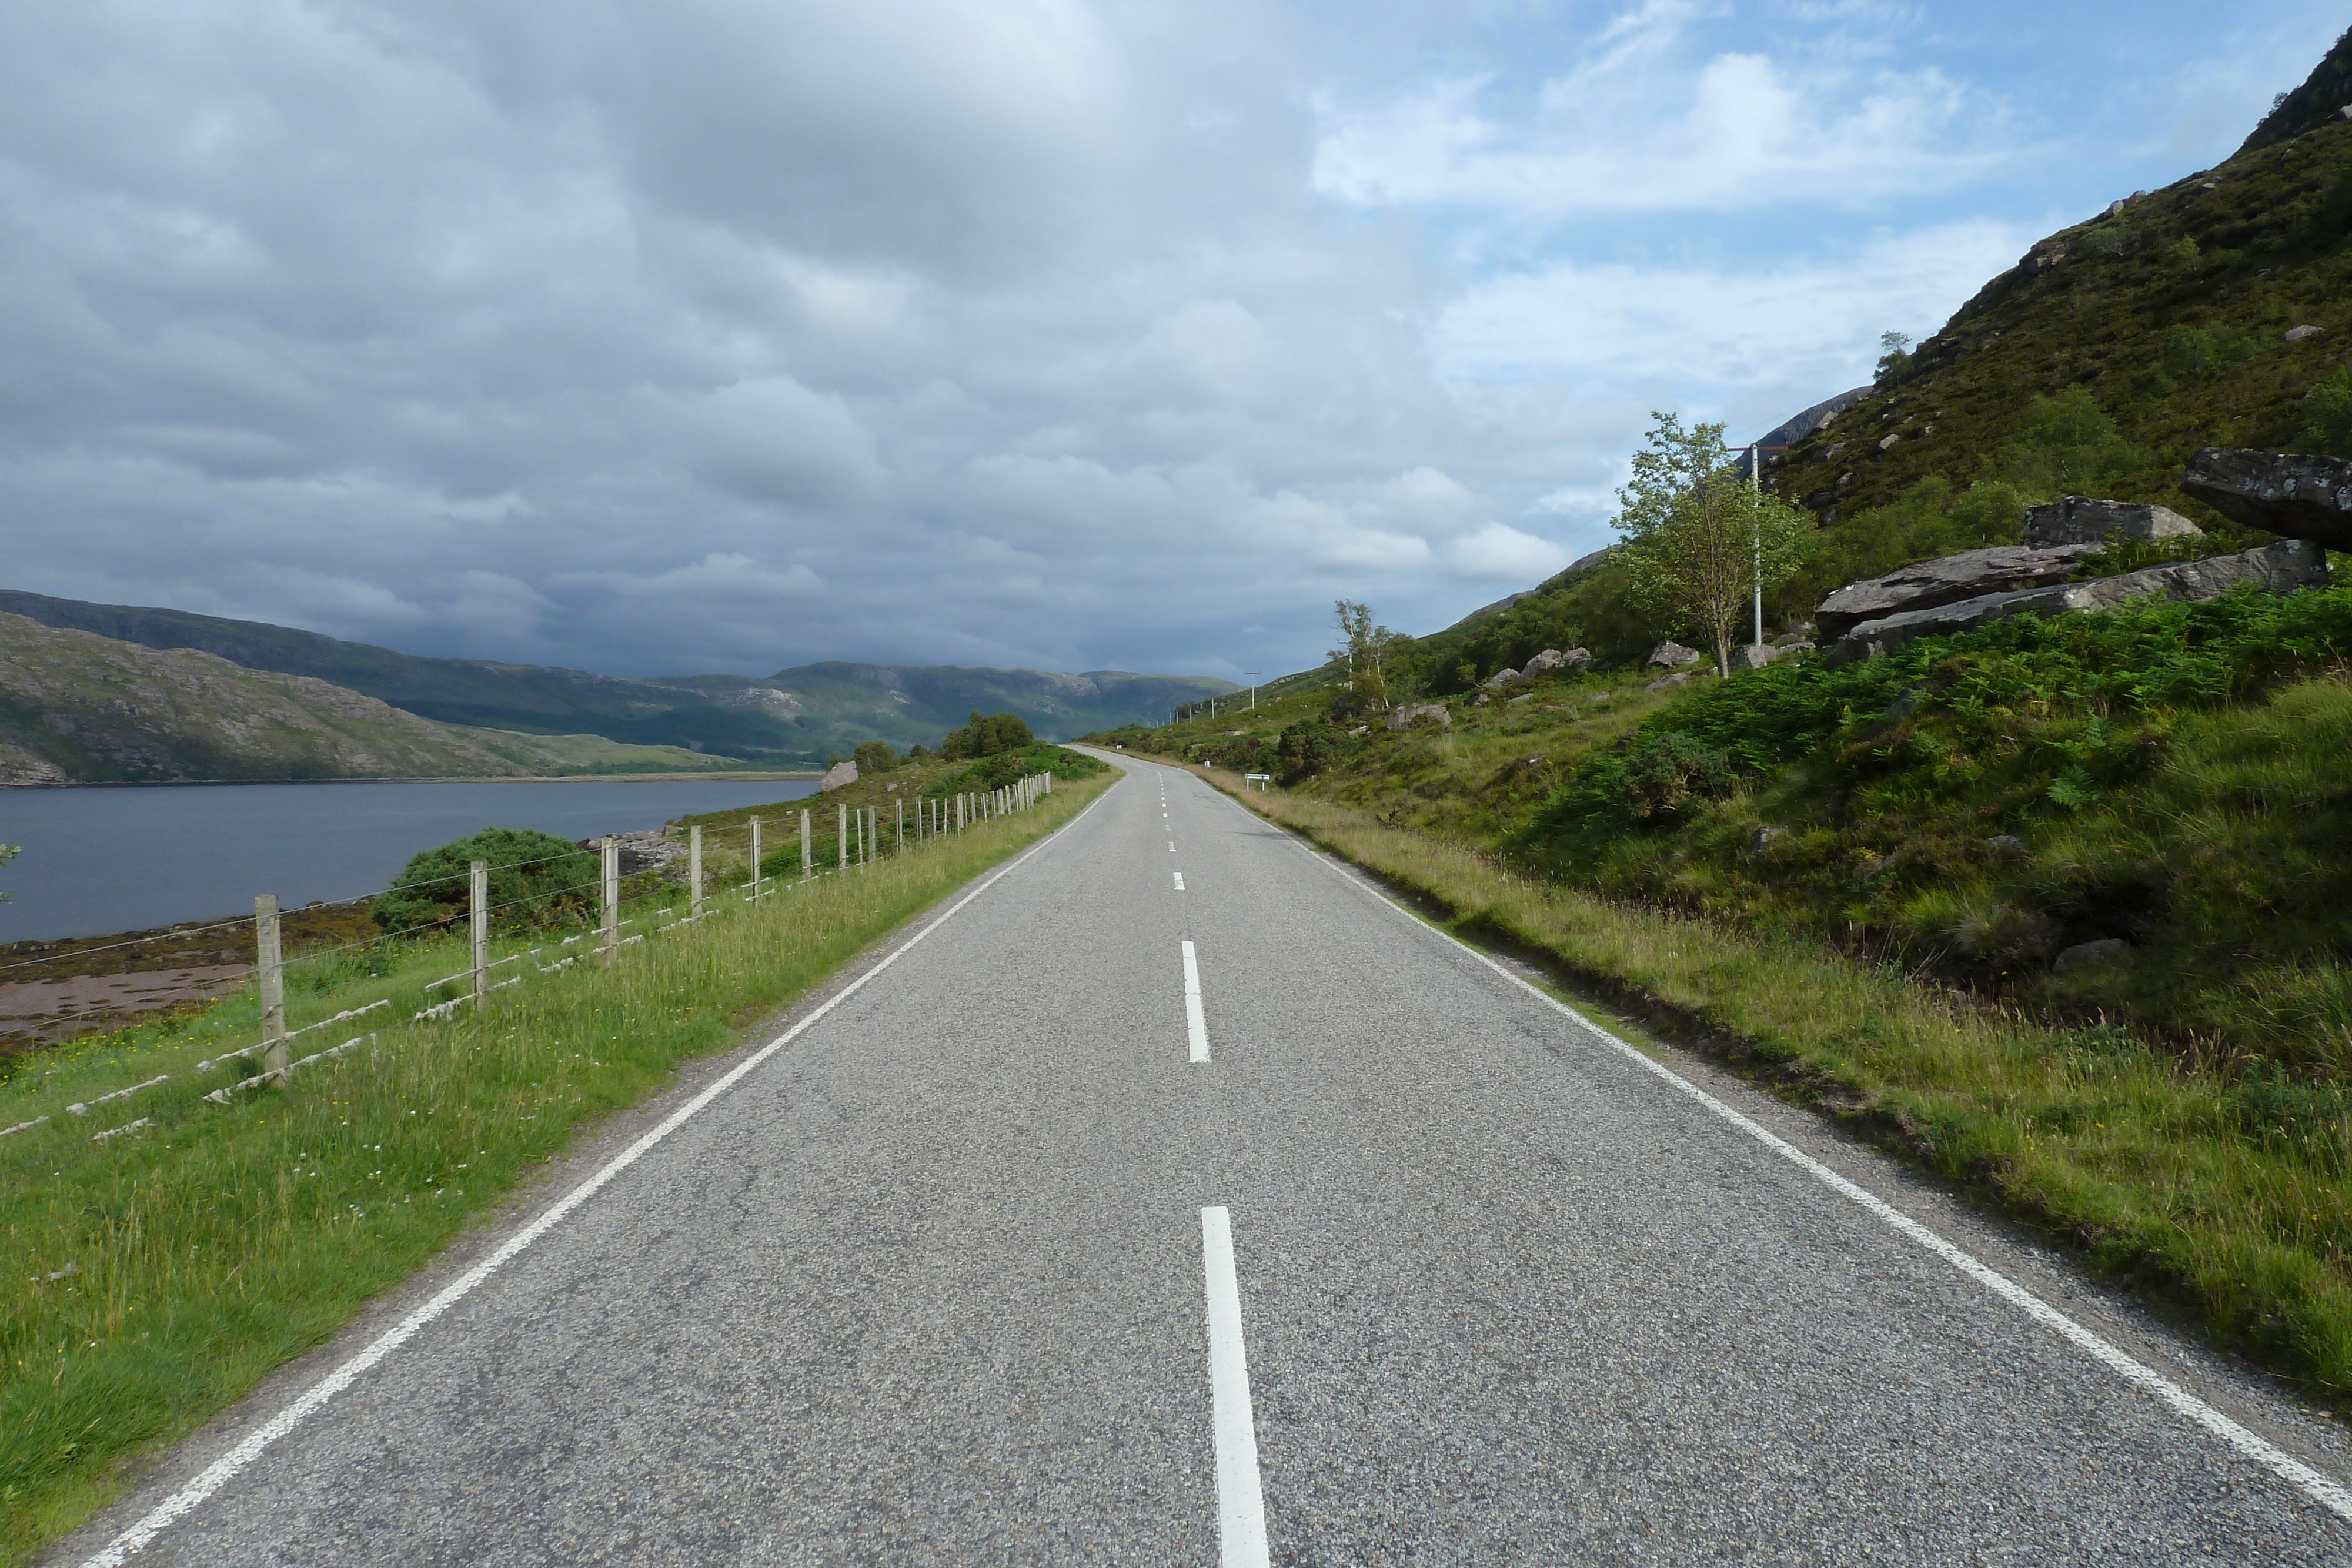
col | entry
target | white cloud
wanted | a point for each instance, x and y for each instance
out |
(1804, 321)
(1500, 552)
(1646, 121)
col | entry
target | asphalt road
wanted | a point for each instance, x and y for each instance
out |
(933, 1283)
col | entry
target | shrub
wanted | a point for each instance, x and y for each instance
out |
(535, 879)
(874, 757)
(986, 736)
(1306, 750)
(1667, 773)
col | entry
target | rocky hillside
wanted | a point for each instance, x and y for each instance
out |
(78, 707)
(2214, 312)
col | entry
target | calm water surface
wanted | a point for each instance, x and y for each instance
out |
(101, 860)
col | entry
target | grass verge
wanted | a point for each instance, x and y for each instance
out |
(153, 1279)
(2225, 1200)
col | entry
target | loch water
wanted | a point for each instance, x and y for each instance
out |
(99, 860)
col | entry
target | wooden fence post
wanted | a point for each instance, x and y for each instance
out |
(694, 867)
(902, 830)
(610, 878)
(755, 858)
(841, 853)
(478, 898)
(270, 965)
(808, 864)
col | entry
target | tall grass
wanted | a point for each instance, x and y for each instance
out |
(152, 1279)
(2224, 1196)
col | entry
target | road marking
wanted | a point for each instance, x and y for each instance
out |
(1241, 1501)
(1172, 846)
(2319, 1487)
(229, 1465)
(1196, 1026)
(1180, 881)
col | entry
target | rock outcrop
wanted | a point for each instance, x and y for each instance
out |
(1755, 657)
(2281, 568)
(837, 775)
(1412, 714)
(2283, 493)
(2080, 520)
(1946, 580)
(1502, 678)
(1553, 659)
(1673, 655)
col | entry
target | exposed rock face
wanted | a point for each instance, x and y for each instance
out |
(1681, 680)
(2295, 496)
(2079, 521)
(837, 775)
(2281, 568)
(1553, 659)
(1412, 714)
(1948, 579)
(1673, 655)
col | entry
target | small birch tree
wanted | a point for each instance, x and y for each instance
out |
(1700, 537)
(1366, 646)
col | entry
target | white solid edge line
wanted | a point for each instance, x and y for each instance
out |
(2315, 1484)
(227, 1467)
(1196, 1024)
(1241, 1499)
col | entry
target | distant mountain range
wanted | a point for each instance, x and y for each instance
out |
(793, 718)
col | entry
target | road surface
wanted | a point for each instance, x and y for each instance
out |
(1178, 1199)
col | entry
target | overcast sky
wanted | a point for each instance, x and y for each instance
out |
(725, 335)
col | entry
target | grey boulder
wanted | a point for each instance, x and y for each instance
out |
(1946, 580)
(1502, 678)
(1412, 714)
(2295, 496)
(2105, 950)
(1755, 656)
(1553, 659)
(2080, 520)
(1673, 655)
(2281, 568)
(837, 775)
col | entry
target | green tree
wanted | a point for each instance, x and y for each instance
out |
(535, 878)
(2328, 414)
(874, 757)
(1369, 649)
(986, 736)
(1700, 537)
(2068, 445)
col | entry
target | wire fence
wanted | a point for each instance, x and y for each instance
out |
(861, 838)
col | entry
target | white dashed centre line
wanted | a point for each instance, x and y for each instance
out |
(1196, 1024)
(1172, 846)
(1241, 1503)
(1180, 881)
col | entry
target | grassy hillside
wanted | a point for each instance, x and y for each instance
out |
(79, 707)
(476, 692)
(555, 755)
(794, 717)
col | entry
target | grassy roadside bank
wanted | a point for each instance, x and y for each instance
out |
(153, 1279)
(2225, 1200)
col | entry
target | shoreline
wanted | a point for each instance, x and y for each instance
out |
(748, 776)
